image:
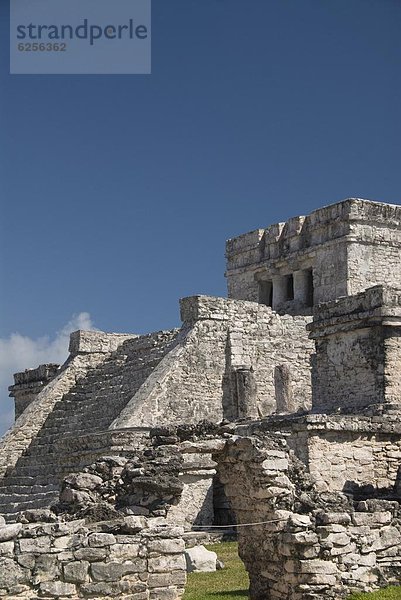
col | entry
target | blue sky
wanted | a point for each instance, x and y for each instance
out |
(118, 192)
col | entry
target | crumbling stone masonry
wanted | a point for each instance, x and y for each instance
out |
(220, 364)
(278, 408)
(358, 350)
(309, 544)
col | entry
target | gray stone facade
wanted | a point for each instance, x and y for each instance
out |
(335, 251)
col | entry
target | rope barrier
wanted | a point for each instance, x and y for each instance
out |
(237, 525)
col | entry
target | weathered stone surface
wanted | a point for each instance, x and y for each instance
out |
(83, 481)
(167, 546)
(76, 572)
(200, 560)
(11, 573)
(98, 540)
(9, 532)
(35, 545)
(46, 568)
(6, 548)
(90, 554)
(57, 589)
(164, 564)
(114, 571)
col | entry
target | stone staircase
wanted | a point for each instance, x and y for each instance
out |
(75, 433)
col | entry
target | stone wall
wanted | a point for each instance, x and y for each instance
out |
(358, 347)
(133, 558)
(374, 247)
(359, 455)
(199, 378)
(299, 543)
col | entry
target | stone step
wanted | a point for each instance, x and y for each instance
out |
(28, 489)
(27, 481)
(38, 470)
(75, 433)
(27, 497)
(17, 507)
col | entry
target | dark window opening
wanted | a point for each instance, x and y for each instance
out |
(309, 288)
(266, 293)
(290, 287)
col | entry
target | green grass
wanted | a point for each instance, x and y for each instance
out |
(391, 593)
(230, 583)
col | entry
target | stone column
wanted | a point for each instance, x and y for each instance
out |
(302, 288)
(279, 291)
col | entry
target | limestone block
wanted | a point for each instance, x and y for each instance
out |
(174, 546)
(275, 464)
(9, 532)
(164, 564)
(329, 518)
(163, 594)
(158, 580)
(11, 573)
(83, 481)
(303, 537)
(114, 571)
(98, 540)
(68, 541)
(133, 524)
(91, 554)
(6, 548)
(316, 566)
(99, 589)
(125, 551)
(199, 559)
(26, 560)
(372, 519)
(46, 568)
(300, 520)
(76, 571)
(71, 496)
(57, 589)
(35, 545)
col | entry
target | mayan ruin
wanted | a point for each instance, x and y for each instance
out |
(276, 408)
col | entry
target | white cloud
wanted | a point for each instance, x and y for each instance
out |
(19, 352)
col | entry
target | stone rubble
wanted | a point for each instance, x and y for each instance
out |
(200, 560)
